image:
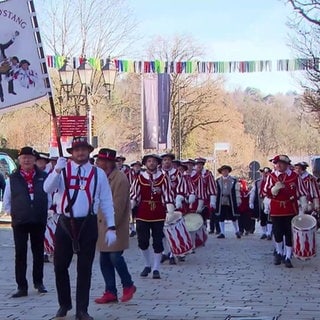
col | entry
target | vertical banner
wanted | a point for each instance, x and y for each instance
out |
(150, 113)
(21, 76)
(164, 108)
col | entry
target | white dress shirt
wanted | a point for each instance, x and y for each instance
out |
(81, 206)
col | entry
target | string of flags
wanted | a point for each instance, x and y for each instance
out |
(158, 66)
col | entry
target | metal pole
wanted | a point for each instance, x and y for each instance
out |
(89, 117)
(179, 125)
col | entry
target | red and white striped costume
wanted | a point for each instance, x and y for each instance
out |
(151, 192)
(210, 187)
(199, 188)
(174, 178)
(285, 203)
(311, 185)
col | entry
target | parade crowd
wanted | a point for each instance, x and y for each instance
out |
(78, 205)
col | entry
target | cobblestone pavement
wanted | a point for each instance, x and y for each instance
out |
(226, 279)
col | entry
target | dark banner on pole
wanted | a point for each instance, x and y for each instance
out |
(150, 111)
(164, 106)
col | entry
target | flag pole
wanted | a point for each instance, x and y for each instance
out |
(74, 233)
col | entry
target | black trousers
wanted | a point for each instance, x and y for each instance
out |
(1, 89)
(214, 222)
(226, 214)
(281, 227)
(63, 254)
(21, 235)
(143, 234)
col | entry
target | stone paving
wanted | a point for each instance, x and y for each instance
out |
(226, 279)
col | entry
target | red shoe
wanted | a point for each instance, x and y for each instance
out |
(107, 298)
(128, 293)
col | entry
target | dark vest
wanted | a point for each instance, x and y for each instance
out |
(23, 209)
(233, 198)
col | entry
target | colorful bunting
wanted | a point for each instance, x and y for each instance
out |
(158, 66)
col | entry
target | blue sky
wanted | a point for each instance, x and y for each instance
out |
(227, 30)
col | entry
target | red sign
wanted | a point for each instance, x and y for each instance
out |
(72, 126)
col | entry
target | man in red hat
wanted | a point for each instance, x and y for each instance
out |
(111, 256)
(27, 203)
(283, 189)
(228, 200)
(151, 192)
(87, 191)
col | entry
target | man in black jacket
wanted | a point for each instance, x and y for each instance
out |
(27, 203)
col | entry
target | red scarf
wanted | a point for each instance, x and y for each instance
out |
(28, 177)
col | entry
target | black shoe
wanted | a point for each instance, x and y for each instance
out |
(20, 293)
(269, 238)
(238, 235)
(156, 274)
(12, 92)
(132, 234)
(81, 315)
(172, 260)
(62, 312)
(246, 233)
(277, 259)
(221, 236)
(264, 236)
(181, 259)
(41, 288)
(46, 258)
(287, 263)
(1, 99)
(211, 232)
(145, 272)
(164, 258)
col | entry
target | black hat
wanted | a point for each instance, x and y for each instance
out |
(151, 155)
(80, 142)
(169, 155)
(265, 169)
(224, 167)
(27, 151)
(200, 160)
(107, 154)
(23, 62)
(121, 158)
(136, 163)
(43, 156)
(302, 164)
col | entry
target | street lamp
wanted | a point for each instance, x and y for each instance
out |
(85, 72)
(109, 72)
(66, 74)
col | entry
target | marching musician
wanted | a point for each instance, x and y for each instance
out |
(174, 176)
(153, 195)
(210, 190)
(228, 200)
(135, 169)
(310, 183)
(283, 188)
(77, 229)
(256, 204)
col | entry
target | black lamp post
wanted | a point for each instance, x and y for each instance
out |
(109, 72)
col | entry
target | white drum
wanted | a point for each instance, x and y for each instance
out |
(178, 237)
(195, 225)
(304, 229)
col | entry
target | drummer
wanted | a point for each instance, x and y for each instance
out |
(151, 192)
(283, 189)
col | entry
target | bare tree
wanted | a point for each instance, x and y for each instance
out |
(92, 28)
(305, 41)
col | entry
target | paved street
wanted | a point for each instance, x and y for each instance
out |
(227, 279)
